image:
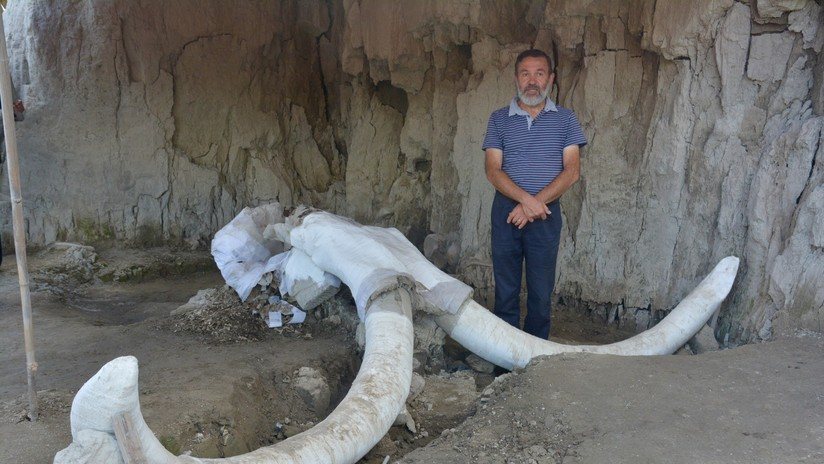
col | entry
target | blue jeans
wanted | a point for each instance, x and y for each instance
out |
(537, 244)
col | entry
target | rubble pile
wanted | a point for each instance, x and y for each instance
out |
(220, 315)
(66, 267)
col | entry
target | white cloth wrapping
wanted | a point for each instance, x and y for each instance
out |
(241, 252)
(364, 256)
(244, 253)
(298, 266)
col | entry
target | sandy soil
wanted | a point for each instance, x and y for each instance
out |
(227, 393)
(754, 404)
(759, 403)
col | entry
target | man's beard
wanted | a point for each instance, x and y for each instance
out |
(532, 101)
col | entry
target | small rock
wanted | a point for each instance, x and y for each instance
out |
(313, 388)
(402, 416)
(410, 424)
(266, 280)
(479, 364)
(416, 386)
(416, 365)
(385, 447)
(684, 351)
(199, 301)
(226, 422)
(360, 335)
(536, 450)
(405, 419)
(310, 294)
(704, 341)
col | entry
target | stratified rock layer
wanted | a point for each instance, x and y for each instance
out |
(158, 121)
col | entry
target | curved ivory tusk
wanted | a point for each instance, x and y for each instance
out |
(112, 390)
(353, 252)
(362, 418)
(481, 332)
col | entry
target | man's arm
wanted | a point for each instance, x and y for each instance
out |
(568, 176)
(502, 183)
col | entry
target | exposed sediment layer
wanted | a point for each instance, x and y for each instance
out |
(159, 121)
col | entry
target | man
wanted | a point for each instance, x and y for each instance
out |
(532, 157)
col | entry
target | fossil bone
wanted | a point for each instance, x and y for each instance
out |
(489, 337)
(374, 262)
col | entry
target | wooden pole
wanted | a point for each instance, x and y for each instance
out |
(127, 439)
(6, 99)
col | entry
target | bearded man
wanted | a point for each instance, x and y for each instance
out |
(532, 152)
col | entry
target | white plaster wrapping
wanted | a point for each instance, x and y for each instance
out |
(112, 390)
(354, 252)
(241, 251)
(298, 266)
(252, 244)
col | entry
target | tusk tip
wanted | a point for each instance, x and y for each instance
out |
(111, 390)
(724, 274)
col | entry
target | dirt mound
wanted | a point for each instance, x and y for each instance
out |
(221, 317)
(756, 403)
(64, 268)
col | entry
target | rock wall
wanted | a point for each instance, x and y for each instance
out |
(155, 121)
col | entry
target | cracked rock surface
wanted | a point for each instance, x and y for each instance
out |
(154, 122)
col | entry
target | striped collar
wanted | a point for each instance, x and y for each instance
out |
(515, 109)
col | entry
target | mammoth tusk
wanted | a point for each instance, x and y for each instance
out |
(489, 337)
(375, 263)
(375, 399)
(353, 255)
(362, 418)
(111, 391)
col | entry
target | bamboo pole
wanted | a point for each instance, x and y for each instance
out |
(6, 99)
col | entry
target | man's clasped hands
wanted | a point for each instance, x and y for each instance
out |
(528, 210)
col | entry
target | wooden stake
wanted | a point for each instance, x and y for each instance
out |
(7, 101)
(127, 439)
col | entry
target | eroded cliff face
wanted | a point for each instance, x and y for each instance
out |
(155, 121)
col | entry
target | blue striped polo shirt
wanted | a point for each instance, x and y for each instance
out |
(533, 148)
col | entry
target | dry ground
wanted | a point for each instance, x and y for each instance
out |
(759, 403)
(754, 404)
